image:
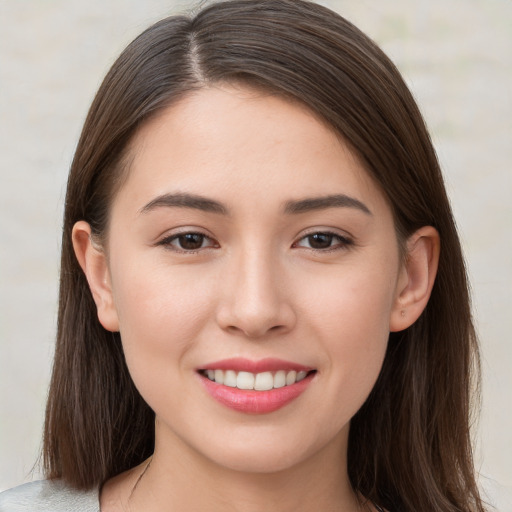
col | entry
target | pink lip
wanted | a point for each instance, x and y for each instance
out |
(240, 364)
(250, 401)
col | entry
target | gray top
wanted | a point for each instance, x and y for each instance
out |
(47, 496)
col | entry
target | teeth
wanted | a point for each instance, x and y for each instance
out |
(264, 381)
(280, 379)
(245, 380)
(301, 375)
(291, 377)
(230, 378)
(260, 381)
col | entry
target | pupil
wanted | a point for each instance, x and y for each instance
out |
(191, 241)
(320, 240)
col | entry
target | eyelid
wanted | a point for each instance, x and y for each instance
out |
(342, 233)
(166, 240)
(345, 239)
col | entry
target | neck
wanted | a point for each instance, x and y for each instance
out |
(179, 478)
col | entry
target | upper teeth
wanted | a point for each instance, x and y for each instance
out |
(257, 381)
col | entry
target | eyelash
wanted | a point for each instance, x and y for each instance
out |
(168, 242)
(343, 242)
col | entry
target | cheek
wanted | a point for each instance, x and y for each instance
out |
(351, 320)
(353, 302)
(161, 313)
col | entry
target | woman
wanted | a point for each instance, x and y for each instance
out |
(259, 268)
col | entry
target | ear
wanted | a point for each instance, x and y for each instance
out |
(94, 263)
(416, 278)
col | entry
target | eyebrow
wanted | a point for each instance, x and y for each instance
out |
(184, 200)
(197, 202)
(321, 203)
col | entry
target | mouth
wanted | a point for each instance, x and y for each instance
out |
(263, 381)
(255, 387)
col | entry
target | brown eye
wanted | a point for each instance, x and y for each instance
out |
(191, 241)
(323, 241)
(320, 240)
(188, 242)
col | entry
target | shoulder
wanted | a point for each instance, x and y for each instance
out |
(48, 496)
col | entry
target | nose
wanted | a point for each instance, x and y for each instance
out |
(255, 298)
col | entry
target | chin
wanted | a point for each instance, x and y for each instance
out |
(257, 463)
(270, 453)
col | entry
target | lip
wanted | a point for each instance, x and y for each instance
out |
(241, 364)
(251, 401)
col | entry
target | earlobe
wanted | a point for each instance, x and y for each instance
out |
(94, 264)
(416, 278)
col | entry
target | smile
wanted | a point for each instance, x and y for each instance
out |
(259, 382)
(255, 387)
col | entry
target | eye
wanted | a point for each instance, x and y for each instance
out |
(323, 241)
(188, 242)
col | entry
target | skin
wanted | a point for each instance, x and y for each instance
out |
(255, 288)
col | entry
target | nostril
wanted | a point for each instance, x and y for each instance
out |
(255, 318)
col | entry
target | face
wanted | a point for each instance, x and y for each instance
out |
(250, 248)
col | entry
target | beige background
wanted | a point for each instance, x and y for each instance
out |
(455, 54)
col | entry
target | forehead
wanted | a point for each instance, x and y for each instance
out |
(231, 142)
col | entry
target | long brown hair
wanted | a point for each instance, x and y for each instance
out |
(409, 446)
